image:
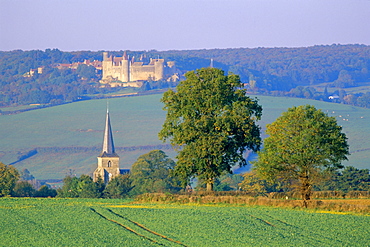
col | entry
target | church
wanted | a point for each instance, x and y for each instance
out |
(108, 160)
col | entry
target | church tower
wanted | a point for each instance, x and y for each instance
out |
(108, 160)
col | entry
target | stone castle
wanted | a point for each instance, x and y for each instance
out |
(124, 70)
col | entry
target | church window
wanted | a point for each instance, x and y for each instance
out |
(109, 164)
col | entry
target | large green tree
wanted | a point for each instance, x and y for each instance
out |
(302, 143)
(8, 178)
(212, 122)
(23, 189)
(45, 191)
(83, 187)
(152, 173)
(119, 187)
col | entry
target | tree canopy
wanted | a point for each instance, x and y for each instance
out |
(119, 187)
(23, 189)
(26, 175)
(8, 178)
(83, 187)
(212, 122)
(254, 184)
(348, 179)
(151, 173)
(301, 144)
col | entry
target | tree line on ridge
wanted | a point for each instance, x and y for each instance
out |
(289, 72)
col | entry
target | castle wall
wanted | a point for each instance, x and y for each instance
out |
(116, 72)
(142, 72)
(121, 68)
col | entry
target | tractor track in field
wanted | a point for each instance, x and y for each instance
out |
(127, 228)
(138, 225)
(147, 229)
(303, 231)
(262, 220)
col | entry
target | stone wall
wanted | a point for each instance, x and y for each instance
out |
(124, 70)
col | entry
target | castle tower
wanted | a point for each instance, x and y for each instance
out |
(125, 66)
(108, 160)
(158, 69)
(106, 65)
(105, 56)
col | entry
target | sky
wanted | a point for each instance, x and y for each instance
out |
(114, 25)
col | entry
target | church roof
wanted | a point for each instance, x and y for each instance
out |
(108, 144)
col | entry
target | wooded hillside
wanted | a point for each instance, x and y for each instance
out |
(277, 71)
(285, 67)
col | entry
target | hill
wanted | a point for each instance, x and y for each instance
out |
(283, 68)
(274, 71)
(52, 142)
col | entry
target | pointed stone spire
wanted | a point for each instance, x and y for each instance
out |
(211, 64)
(108, 144)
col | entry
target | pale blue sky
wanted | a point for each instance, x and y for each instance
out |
(174, 24)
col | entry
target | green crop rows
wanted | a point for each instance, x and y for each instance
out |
(98, 222)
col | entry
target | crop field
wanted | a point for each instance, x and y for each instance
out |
(135, 122)
(104, 222)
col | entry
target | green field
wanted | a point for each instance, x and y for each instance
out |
(105, 222)
(361, 87)
(135, 122)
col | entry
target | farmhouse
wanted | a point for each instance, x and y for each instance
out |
(333, 96)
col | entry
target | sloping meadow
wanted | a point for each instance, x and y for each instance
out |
(72, 134)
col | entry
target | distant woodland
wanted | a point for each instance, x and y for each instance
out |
(293, 72)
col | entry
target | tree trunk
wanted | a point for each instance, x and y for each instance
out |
(209, 185)
(305, 190)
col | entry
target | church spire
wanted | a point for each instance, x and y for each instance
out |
(108, 145)
(108, 160)
(211, 64)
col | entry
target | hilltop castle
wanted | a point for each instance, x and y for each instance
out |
(108, 160)
(126, 70)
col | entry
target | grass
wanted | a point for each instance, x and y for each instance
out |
(21, 107)
(104, 222)
(135, 122)
(124, 91)
(362, 87)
